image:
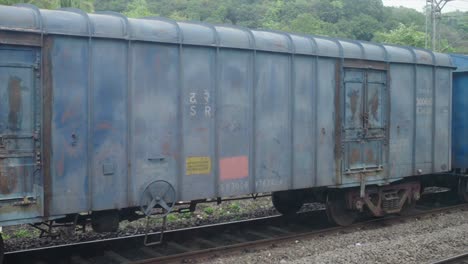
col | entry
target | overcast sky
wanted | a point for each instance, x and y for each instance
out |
(461, 5)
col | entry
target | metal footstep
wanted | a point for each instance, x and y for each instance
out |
(161, 232)
(157, 200)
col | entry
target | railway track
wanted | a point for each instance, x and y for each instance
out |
(457, 259)
(190, 244)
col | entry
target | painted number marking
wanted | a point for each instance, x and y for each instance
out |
(204, 104)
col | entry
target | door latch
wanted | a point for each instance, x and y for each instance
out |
(38, 158)
(365, 123)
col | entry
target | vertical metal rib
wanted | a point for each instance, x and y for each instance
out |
(180, 85)
(217, 111)
(129, 141)
(253, 144)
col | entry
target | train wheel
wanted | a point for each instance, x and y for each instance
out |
(463, 189)
(337, 211)
(287, 203)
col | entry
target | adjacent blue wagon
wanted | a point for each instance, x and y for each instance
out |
(460, 114)
(103, 113)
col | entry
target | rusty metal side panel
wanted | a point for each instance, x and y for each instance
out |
(325, 127)
(401, 120)
(155, 131)
(234, 122)
(339, 118)
(424, 119)
(272, 149)
(304, 123)
(21, 188)
(443, 127)
(198, 116)
(354, 97)
(47, 122)
(364, 64)
(364, 109)
(18, 38)
(17, 55)
(69, 180)
(460, 117)
(109, 125)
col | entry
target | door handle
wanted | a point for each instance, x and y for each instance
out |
(160, 159)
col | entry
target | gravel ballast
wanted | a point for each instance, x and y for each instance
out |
(416, 240)
(24, 237)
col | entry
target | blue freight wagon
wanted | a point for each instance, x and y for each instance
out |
(460, 118)
(110, 115)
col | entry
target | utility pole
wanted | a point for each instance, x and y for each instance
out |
(436, 13)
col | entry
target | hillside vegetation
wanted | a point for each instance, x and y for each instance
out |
(355, 19)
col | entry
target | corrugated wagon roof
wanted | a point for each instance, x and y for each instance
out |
(75, 22)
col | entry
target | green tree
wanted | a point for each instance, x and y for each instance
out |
(87, 5)
(271, 18)
(402, 35)
(361, 27)
(48, 4)
(309, 24)
(393, 16)
(355, 19)
(373, 8)
(7, 2)
(111, 5)
(329, 11)
(138, 8)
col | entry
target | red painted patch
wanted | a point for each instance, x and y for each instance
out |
(104, 126)
(234, 168)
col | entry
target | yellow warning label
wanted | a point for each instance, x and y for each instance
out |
(198, 165)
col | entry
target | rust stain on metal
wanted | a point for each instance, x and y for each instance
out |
(323, 132)
(104, 126)
(47, 122)
(279, 44)
(354, 96)
(370, 156)
(374, 106)
(14, 99)
(426, 58)
(60, 167)
(338, 117)
(67, 114)
(18, 38)
(353, 63)
(166, 149)
(4, 183)
(355, 156)
(9, 180)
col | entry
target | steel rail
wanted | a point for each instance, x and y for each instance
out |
(453, 259)
(266, 242)
(141, 235)
(259, 242)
